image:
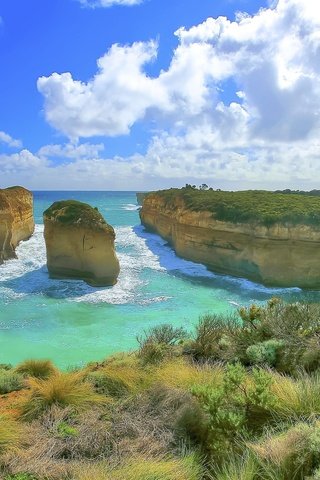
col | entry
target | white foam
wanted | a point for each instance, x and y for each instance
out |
(31, 256)
(130, 206)
(137, 251)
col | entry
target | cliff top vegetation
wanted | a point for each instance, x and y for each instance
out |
(250, 206)
(73, 212)
(237, 398)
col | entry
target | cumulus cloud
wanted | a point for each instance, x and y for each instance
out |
(109, 3)
(270, 130)
(8, 140)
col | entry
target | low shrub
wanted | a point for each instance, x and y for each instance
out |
(241, 405)
(158, 343)
(213, 337)
(10, 381)
(36, 368)
(165, 334)
(264, 353)
(108, 384)
(153, 353)
(62, 389)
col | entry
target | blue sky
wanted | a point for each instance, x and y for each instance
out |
(180, 95)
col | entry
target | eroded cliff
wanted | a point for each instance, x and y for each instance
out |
(282, 254)
(16, 219)
(80, 244)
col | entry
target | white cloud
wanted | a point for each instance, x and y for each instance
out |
(269, 133)
(109, 3)
(11, 142)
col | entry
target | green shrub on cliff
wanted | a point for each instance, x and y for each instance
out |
(251, 206)
(73, 212)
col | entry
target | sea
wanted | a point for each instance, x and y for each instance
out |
(72, 323)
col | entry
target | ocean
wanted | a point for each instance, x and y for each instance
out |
(72, 323)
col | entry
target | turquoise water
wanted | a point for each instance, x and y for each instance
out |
(73, 323)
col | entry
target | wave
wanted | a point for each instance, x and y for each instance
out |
(28, 273)
(130, 207)
(140, 253)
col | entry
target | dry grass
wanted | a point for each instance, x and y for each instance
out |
(63, 389)
(296, 397)
(142, 469)
(291, 454)
(10, 433)
(181, 373)
(238, 468)
(36, 368)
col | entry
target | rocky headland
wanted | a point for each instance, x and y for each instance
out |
(80, 244)
(270, 238)
(16, 219)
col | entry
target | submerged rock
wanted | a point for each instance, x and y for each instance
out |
(80, 244)
(16, 219)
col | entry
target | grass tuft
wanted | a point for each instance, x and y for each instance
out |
(36, 368)
(62, 389)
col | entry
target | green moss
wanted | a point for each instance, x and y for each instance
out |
(251, 206)
(73, 212)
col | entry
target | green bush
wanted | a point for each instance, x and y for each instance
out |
(264, 353)
(10, 381)
(239, 406)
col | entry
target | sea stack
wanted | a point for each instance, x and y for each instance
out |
(80, 244)
(16, 219)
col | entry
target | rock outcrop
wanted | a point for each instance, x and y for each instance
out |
(277, 255)
(80, 244)
(16, 219)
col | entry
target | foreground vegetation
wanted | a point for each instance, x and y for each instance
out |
(253, 206)
(238, 399)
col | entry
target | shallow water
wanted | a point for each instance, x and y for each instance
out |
(73, 323)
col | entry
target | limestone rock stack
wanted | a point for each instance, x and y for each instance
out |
(80, 244)
(16, 219)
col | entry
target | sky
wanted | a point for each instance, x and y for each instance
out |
(150, 94)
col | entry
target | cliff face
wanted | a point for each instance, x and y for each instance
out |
(279, 255)
(140, 197)
(16, 219)
(80, 244)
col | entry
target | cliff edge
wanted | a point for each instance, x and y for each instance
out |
(16, 219)
(266, 237)
(80, 244)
